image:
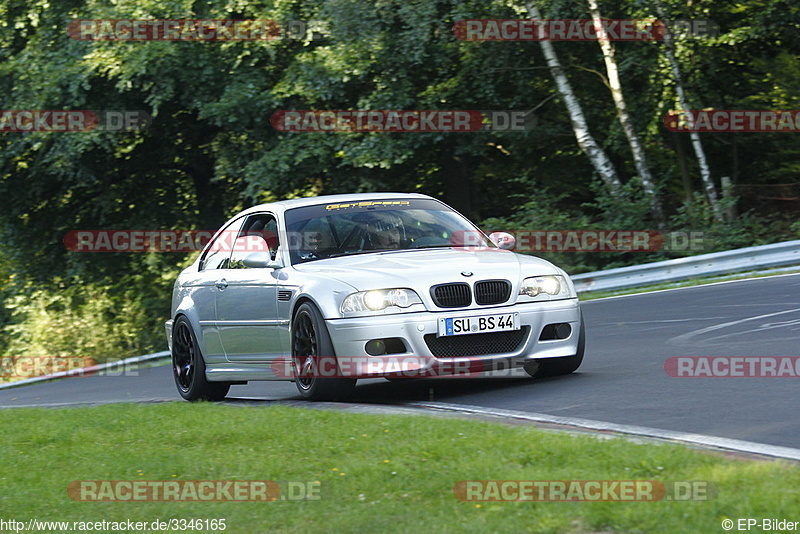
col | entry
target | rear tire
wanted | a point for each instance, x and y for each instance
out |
(545, 367)
(189, 367)
(313, 358)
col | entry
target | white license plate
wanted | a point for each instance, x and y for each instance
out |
(459, 326)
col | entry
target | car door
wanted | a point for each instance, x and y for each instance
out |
(247, 317)
(206, 286)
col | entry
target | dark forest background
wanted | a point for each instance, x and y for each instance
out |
(211, 151)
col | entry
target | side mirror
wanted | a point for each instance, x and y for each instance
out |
(262, 260)
(503, 240)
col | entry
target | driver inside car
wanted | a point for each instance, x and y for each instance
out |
(384, 231)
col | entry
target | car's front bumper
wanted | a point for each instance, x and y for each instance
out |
(350, 336)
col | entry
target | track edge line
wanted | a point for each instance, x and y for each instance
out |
(702, 440)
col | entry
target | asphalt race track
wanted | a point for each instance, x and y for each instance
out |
(622, 379)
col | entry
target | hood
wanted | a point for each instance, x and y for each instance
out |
(422, 268)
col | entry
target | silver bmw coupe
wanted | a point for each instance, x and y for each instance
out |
(326, 290)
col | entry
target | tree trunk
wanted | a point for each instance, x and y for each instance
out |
(614, 85)
(593, 151)
(705, 172)
(683, 164)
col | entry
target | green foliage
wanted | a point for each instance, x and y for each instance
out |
(746, 229)
(211, 149)
(77, 321)
(630, 210)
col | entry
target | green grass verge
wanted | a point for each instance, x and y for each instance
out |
(377, 473)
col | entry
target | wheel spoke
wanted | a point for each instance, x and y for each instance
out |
(308, 367)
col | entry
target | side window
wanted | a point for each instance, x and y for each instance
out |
(218, 255)
(259, 233)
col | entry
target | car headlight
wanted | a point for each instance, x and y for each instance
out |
(378, 300)
(551, 286)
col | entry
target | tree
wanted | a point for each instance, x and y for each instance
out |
(599, 159)
(614, 85)
(697, 145)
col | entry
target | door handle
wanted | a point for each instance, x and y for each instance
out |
(221, 284)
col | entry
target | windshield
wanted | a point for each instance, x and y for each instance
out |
(344, 229)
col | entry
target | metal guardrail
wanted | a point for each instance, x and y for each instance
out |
(99, 369)
(717, 263)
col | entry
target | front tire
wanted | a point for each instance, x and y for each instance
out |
(546, 367)
(189, 367)
(313, 358)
